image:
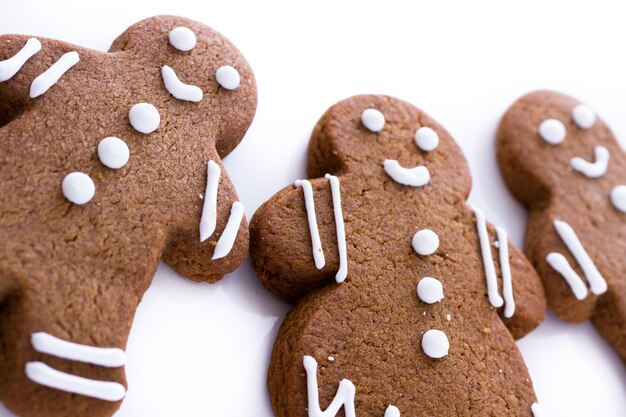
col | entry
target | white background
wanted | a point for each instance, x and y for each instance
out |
(202, 350)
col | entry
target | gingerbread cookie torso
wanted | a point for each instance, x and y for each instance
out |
(407, 302)
(563, 162)
(109, 162)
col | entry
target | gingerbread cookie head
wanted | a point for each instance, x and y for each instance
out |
(565, 165)
(406, 298)
(108, 163)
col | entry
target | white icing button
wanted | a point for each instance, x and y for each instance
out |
(426, 139)
(425, 242)
(392, 411)
(113, 152)
(228, 77)
(430, 290)
(78, 188)
(373, 120)
(144, 117)
(618, 198)
(583, 116)
(435, 344)
(182, 38)
(552, 131)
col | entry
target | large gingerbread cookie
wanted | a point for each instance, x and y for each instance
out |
(108, 163)
(408, 302)
(565, 165)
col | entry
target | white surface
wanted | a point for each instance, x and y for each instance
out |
(202, 350)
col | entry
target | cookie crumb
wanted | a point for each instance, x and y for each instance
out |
(331, 358)
(448, 317)
(487, 330)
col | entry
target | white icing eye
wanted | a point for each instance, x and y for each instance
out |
(78, 188)
(583, 116)
(426, 139)
(552, 131)
(425, 242)
(618, 198)
(392, 411)
(182, 38)
(430, 290)
(228, 77)
(113, 152)
(435, 344)
(144, 117)
(373, 120)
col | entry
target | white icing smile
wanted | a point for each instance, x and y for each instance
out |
(414, 177)
(593, 169)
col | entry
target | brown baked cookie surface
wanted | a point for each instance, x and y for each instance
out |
(565, 165)
(108, 163)
(392, 313)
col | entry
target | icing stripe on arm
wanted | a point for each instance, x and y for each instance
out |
(344, 396)
(49, 77)
(335, 189)
(318, 252)
(209, 209)
(559, 263)
(10, 67)
(505, 267)
(48, 344)
(229, 235)
(490, 270)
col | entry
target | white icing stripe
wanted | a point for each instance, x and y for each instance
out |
(209, 209)
(335, 189)
(490, 270)
(596, 281)
(593, 169)
(48, 344)
(414, 177)
(559, 263)
(392, 411)
(318, 252)
(179, 89)
(49, 77)
(43, 374)
(229, 235)
(10, 67)
(505, 267)
(344, 396)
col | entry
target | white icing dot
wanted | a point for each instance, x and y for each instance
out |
(425, 242)
(392, 411)
(430, 290)
(583, 116)
(78, 188)
(144, 117)
(536, 409)
(182, 38)
(113, 152)
(552, 131)
(435, 344)
(426, 139)
(618, 197)
(228, 77)
(373, 120)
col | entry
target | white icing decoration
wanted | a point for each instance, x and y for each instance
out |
(10, 67)
(430, 290)
(179, 89)
(341, 229)
(42, 374)
(485, 248)
(228, 77)
(343, 397)
(318, 252)
(505, 268)
(144, 117)
(618, 198)
(182, 38)
(373, 120)
(113, 152)
(78, 188)
(448, 317)
(49, 77)
(425, 242)
(596, 281)
(435, 344)
(426, 139)
(583, 116)
(552, 131)
(415, 177)
(536, 409)
(209, 209)
(107, 357)
(229, 235)
(392, 411)
(593, 169)
(560, 264)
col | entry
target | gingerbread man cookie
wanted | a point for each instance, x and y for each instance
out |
(565, 165)
(407, 301)
(108, 163)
